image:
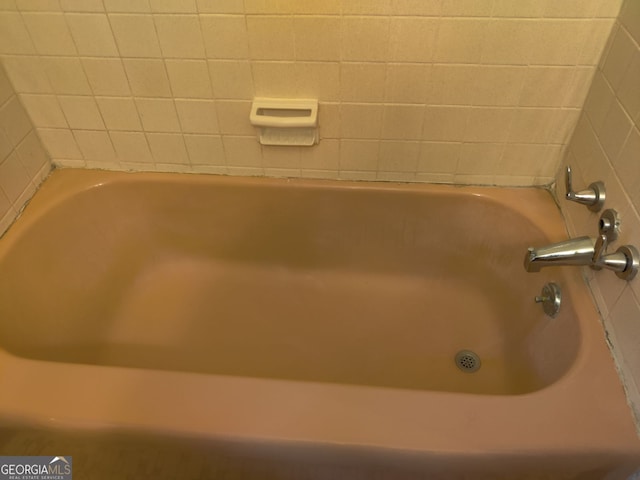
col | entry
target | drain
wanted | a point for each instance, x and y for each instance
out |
(467, 361)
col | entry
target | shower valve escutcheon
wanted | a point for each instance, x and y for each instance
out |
(593, 197)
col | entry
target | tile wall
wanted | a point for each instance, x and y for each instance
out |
(482, 91)
(606, 146)
(24, 163)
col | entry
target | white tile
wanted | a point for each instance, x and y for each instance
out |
(60, 143)
(92, 34)
(131, 147)
(32, 155)
(359, 155)
(147, 77)
(231, 79)
(49, 33)
(27, 74)
(14, 121)
(168, 148)
(95, 145)
(158, 115)
(14, 179)
(180, 36)
(225, 36)
(106, 76)
(81, 112)
(119, 113)
(189, 78)
(44, 110)
(197, 116)
(243, 152)
(135, 35)
(205, 149)
(14, 36)
(66, 76)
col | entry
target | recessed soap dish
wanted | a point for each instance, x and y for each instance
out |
(285, 121)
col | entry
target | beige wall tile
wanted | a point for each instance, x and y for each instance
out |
(329, 121)
(220, 6)
(274, 157)
(522, 8)
(38, 5)
(359, 155)
(225, 36)
(449, 85)
(271, 37)
(533, 125)
(362, 82)
(317, 38)
(416, 7)
(619, 58)
(487, 124)
(243, 152)
(467, 8)
(317, 80)
(158, 115)
(131, 147)
(324, 156)
(66, 76)
(628, 89)
(497, 85)
(274, 79)
(180, 36)
(135, 35)
(14, 36)
(398, 157)
(127, 6)
(630, 18)
(614, 131)
(459, 40)
(548, 35)
(14, 179)
(168, 148)
(438, 157)
(14, 121)
(33, 156)
(402, 122)
(81, 112)
(60, 143)
(361, 121)
(44, 110)
(234, 117)
(546, 86)
(95, 145)
(27, 74)
(508, 42)
(412, 39)
(82, 5)
(205, 149)
(365, 39)
(231, 79)
(445, 124)
(478, 159)
(49, 33)
(189, 78)
(366, 7)
(406, 82)
(119, 113)
(106, 76)
(147, 77)
(197, 116)
(92, 34)
(173, 6)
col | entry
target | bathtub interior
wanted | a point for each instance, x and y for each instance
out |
(349, 284)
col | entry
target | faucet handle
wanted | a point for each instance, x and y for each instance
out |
(593, 197)
(599, 248)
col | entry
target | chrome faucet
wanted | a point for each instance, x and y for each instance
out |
(576, 251)
(584, 251)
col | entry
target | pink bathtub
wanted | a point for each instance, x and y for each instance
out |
(261, 328)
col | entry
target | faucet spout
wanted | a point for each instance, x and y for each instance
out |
(576, 251)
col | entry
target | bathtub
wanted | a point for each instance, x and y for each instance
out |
(270, 328)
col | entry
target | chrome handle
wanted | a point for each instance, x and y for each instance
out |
(593, 197)
(599, 248)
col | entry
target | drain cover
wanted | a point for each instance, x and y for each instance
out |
(467, 361)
